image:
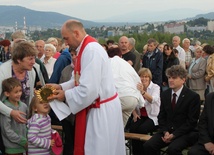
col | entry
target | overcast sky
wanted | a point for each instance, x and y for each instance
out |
(103, 9)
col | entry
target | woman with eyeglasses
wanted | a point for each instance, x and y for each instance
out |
(145, 118)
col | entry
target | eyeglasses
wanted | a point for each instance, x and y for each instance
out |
(144, 76)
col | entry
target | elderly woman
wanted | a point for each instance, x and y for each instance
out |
(20, 67)
(145, 119)
(48, 60)
(54, 42)
(126, 80)
(196, 73)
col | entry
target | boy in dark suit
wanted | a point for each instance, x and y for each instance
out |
(178, 116)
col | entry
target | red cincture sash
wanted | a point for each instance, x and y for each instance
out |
(80, 125)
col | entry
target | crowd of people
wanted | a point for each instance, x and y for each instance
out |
(109, 88)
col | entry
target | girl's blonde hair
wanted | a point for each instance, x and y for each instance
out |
(33, 103)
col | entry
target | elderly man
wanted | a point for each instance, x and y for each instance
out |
(176, 44)
(40, 44)
(136, 53)
(188, 51)
(91, 95)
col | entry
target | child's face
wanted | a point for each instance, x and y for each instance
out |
(15, 95)
(42, 108)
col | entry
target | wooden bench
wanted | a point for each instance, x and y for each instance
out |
(135, 136)
(57, 127)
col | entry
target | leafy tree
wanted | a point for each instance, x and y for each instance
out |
(199, 22)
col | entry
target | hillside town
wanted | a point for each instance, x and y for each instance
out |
(174, 27)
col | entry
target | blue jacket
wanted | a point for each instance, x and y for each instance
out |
(155, 64)
(63, 60)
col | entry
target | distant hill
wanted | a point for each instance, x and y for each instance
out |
(154, 15)
(12, 14)
(207, 15)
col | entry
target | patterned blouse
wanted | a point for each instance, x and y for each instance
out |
(25, 87)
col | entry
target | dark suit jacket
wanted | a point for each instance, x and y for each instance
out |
(155, 64)
(206, 122)
(183, 119)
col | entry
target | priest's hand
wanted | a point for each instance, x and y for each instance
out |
(56, 86)
(58, 95)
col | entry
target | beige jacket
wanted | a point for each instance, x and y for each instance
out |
(210, 68)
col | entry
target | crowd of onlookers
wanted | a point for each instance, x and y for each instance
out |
(196, 58)
(181, 66)
(160, 90)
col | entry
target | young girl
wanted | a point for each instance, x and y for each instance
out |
(39, 128)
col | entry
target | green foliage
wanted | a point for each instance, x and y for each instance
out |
(44, 35)
(199, 22)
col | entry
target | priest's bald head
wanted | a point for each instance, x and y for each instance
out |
(73, 33)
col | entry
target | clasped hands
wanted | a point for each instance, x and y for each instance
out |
(209, 147)
(167, 138)
(140, 87)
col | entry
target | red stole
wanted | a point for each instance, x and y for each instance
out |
(80, 125)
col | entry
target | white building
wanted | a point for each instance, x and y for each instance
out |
(197, 28)
(210, 26)
(174, 28)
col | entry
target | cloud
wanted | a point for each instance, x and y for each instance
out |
(102, 9)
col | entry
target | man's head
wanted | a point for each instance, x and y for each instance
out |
(123, 44)
(176, 41)
(151, 45)
(176, 76)
(73, 33)
(186, 43)
(40, 44)
(131, 43)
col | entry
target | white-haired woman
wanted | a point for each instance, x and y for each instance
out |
(54, 42)
(48, 60)
(196, 74)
